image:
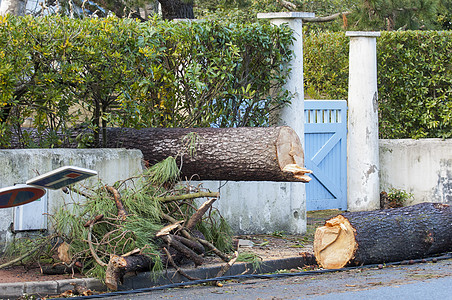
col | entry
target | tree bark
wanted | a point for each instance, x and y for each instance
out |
(59, 269)
(236, 154)
(239, 154)
(397, 234)
(327, 18)
(177, 9)
(118, 266)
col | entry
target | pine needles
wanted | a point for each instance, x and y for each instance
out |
(95, 230)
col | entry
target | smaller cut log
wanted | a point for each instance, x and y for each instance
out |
(118, 266)
(371, 237)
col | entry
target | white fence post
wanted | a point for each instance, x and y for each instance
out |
(293, 115)
(362, 139)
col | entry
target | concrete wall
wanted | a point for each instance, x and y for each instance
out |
(421, 167)
(20, 165)
(261, 207)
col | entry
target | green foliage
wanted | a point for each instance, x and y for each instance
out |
(111, 235)
(114, 234)
(250, 257)
(400, 197)
(66, 72)
(395, 15)
(165, 171)
(326, 65)
(415, 84)
(414, 79)
(217, 230)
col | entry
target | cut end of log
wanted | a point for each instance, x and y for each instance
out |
(290, 154)
(298, 172)
(288, 147)
(334, 243)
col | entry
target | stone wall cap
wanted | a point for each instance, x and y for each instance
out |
(286, 15)
(363, 33)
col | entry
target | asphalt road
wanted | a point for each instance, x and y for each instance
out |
(419, 281)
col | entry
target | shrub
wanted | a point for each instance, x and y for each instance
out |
(120, 72)
(414, 79)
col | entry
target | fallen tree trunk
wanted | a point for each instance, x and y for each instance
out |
(239, 154)
(397, 234)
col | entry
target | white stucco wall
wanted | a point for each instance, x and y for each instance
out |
(421, 167)
(20, 165)
(260, 207)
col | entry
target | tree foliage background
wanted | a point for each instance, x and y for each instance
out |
(414, 79)
(359, 14)
(66, 73)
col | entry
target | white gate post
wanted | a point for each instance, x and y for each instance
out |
(362, 139)
(293, 115)
(267, 206)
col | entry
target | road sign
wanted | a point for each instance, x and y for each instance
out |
(19, 194)
(61, 177)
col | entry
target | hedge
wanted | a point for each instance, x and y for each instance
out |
(66, 72)
(414, 79)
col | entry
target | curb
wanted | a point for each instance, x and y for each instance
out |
(144, 280)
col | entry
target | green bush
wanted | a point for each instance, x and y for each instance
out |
(325, 58)
(66, 72)
(414, 79)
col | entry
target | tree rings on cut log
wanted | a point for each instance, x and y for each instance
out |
(374, 237)
(334, 243)
(288, 148)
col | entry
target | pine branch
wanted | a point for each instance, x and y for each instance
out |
(188, 196)
(327, 18)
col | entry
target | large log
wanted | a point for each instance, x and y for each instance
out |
(389, 235)
(236, 154)
(239, 154)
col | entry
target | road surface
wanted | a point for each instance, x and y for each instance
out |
(418, 281)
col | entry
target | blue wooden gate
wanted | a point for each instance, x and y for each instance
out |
(326, 154)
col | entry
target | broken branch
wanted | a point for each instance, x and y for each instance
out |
(171, 241)
(188, 196)
(196, 217)
(286, 4)
(91, 248)
(122, 213)
(171, 261)
(214, 249)
(327, 18)
(227, 266)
